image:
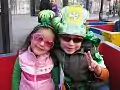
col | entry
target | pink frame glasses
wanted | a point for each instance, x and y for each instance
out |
(40, 38)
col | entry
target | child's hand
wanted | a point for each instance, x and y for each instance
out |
(92, 64)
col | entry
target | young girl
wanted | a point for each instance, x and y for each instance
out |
(32, 70)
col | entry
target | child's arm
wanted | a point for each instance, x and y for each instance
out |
(16, 76)
(101, 73)
(55, 77)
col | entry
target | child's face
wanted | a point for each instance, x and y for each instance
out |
(52, 1)
(42, 41)
(70, 43)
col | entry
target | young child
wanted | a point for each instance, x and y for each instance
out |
(32, 70)
(81, 65)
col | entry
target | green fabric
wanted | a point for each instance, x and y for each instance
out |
(55, 71)
(55, 75)
(16, 76)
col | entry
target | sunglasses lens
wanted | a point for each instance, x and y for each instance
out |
(68, 39)
(49, 44)
(37, 37)
(77, 40)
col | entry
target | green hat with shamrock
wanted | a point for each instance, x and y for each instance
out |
(74, 20)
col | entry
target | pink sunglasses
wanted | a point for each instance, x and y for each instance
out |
(40, 38)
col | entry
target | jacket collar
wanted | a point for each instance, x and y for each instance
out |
(81, 51)
(32, 56)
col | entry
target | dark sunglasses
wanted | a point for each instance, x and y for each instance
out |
(40, 38)
(75, 39)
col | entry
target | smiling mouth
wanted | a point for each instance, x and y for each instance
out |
(70, 48)
(40, 48)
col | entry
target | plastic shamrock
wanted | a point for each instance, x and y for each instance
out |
(98, 57)
(90, 36)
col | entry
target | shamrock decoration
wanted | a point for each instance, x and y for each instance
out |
(98, 57)
(90, 36)
(45, 17)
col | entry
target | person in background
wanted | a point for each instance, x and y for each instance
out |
(32, 69)
(78, 64)
(55, 7)
(117, 23)
(45, 5)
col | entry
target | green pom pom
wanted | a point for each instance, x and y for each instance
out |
(45, 16)
(57, 23)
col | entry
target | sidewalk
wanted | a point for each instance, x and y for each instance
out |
(22, 25)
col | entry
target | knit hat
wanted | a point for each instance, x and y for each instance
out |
(74, 20)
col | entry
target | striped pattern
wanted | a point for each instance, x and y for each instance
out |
(90, 22)
(106, 35)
